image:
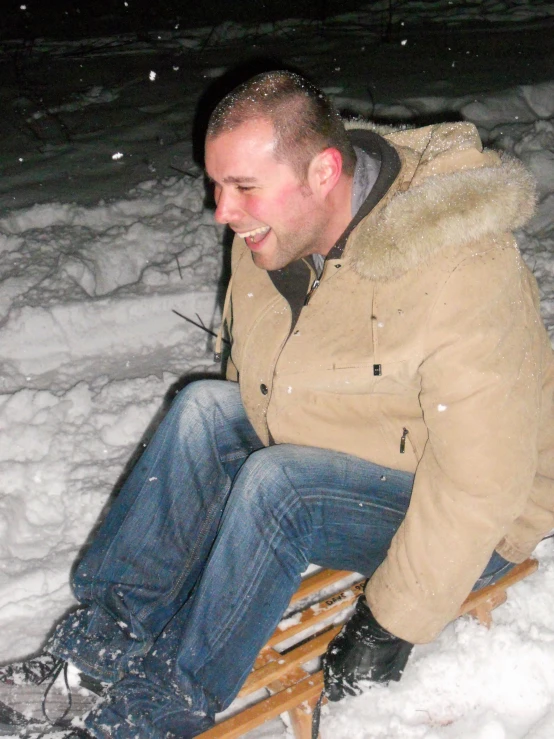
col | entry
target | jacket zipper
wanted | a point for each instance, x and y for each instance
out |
(405, 433)
(313, 288)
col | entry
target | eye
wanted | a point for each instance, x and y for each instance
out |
(244, 188)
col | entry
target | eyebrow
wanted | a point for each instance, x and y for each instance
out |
(234, 180)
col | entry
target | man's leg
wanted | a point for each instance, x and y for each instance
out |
(289, 506)
(155, 540)
(496, 568)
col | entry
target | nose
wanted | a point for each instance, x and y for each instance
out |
(227, 206)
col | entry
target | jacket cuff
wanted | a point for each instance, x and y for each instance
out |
(413, 621)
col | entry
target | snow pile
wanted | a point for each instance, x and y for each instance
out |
(90, 347)
(61, 454)
(454, 13)
(373, 17)
(96, 95)
(86, 291)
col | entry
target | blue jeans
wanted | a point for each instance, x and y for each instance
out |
(200, 554)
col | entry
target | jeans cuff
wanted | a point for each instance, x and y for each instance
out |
(101, 653)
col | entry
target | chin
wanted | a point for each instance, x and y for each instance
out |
(263, 262)
(272, 257)
(266, 261)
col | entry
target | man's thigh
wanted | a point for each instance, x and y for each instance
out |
(355, 507)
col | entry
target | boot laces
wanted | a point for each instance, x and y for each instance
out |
(60, 666)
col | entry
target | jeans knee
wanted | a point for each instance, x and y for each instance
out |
(200, 393)
(203, 397)
(264, 480)
(265, 499)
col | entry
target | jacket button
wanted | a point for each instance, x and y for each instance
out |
(263, 389)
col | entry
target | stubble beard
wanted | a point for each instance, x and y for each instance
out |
(288, 248)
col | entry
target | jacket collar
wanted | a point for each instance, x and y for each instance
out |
(378, 148)
(411, 214)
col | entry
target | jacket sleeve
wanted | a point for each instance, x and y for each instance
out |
(480, 400)
(231, 369)
(231, 372)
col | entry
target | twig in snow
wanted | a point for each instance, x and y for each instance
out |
(194, 175)
(198, 325)
(178, 266)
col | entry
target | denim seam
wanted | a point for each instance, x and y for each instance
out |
(143, 614)
(369, 504)
(128, 513)
(148, 610)
(228, 626)
(484, 582)
(68, 656)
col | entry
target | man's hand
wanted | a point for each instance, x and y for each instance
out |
(363, 650)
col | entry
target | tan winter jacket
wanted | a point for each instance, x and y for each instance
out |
(422, 349)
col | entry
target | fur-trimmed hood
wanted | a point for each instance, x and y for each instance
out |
(450, 192)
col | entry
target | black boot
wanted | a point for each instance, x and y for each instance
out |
(362, 651)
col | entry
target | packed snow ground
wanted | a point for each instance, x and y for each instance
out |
(91, 352)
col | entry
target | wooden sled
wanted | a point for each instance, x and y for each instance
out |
(281, 680)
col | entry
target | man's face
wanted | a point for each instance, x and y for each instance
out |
(261, 198)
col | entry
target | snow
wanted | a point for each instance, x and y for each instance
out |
(105, 231)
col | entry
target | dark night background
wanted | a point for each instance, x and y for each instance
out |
(68, 19)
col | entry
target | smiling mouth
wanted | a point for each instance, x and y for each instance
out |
(255, 237)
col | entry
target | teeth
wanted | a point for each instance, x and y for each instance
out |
(263, 229)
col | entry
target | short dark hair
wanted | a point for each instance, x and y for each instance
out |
(305, 121)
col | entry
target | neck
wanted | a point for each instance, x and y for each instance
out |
(340, 213)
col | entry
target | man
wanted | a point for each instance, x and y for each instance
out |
(387, 410)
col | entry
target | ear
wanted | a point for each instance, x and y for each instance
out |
(324, 171)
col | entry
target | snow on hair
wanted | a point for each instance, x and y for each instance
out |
(304, 119)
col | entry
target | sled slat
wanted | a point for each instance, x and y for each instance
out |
(319, 612)
(483, 596)
(278, 669)
(269, 708)
(315, 583)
